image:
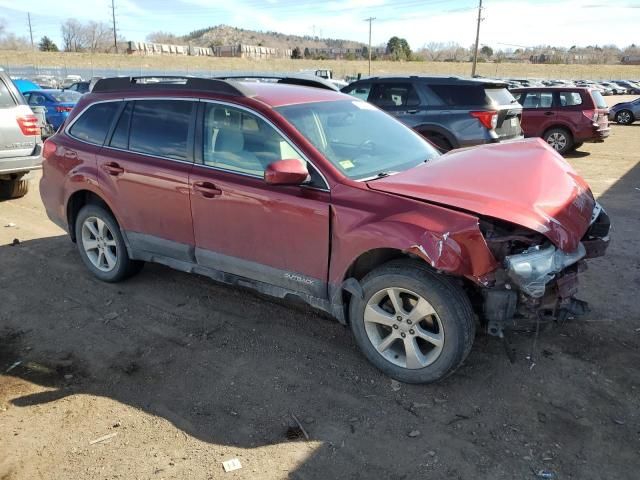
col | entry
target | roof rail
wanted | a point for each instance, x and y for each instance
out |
(289, 79)
(118, 84)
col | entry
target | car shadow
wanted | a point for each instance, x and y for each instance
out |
(229, 367)
(577, 154)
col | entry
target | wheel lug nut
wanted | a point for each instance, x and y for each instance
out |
(409, 322)
(403, 334)
(411, 332)
(395, 326)
(399, 318)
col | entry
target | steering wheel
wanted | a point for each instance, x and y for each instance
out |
(367, 147)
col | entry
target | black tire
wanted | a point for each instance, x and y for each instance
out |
(450, 303)
(13, 188)
(553, 137)
(124, 266)
(441, 143)
(624, 117)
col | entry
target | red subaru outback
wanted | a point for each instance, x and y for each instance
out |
(309, 193)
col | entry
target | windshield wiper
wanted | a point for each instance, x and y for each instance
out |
(383, 174)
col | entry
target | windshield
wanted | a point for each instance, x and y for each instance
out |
(66, 96)
(360, 140)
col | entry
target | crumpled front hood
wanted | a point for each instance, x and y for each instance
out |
(524, 182)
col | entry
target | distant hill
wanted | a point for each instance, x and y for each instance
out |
(226, 35)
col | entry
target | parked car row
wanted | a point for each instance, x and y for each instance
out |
(612, 87)
(312, 194)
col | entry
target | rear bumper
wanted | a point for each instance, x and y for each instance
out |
(21, 164)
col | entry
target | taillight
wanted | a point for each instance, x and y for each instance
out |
(48, 149)
(63, 109)
(592, 115)
(488, 119)
(28, 124)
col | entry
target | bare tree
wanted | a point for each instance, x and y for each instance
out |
(164, 37)
(72, 35)
(96, 37)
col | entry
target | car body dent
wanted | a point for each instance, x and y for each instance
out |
(523, 182)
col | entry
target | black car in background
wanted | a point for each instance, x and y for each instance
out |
(451, 112)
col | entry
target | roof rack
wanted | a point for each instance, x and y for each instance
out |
(289, 79)
(118, 84)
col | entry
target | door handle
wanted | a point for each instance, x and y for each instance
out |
(113, 168)
(548, 114)
(207, 189)
(412, 111)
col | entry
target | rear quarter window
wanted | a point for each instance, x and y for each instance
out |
(457, 95)
(94, 123)
(6, 100)
(598, 99)
(500, 96)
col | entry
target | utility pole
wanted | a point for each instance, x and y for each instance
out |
(113, 14)
(370, 20)
(30, 29)
(475, 53)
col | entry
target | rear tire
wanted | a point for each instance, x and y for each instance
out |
(101, 245)
(441, 143)
(13, 188)
(624, 117)
(560, 139)
(424, 334)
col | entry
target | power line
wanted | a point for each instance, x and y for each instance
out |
(370, 20)
(115, 35)
(475, 50)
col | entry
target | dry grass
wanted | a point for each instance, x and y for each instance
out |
(340, 67)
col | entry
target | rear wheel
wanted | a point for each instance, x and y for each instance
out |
(13, 188)
(102, 246)
(412, 324)
(624, 117)
(560, 139)
(441, 143)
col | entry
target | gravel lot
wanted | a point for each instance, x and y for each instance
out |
(174, 374)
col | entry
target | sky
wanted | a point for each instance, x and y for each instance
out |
(506, 23)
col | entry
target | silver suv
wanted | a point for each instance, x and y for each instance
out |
(20, 141)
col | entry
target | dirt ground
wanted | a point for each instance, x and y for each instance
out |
(174, 374)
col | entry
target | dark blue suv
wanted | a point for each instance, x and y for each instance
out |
(451, 112)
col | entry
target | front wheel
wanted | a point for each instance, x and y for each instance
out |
(624, 117)
(102, 246)
(412, 324)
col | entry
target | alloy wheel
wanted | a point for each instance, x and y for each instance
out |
(99, 244)
(558, 141)
(624, 117)
(404, 328)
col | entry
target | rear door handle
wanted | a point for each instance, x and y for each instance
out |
(113, 168)
(548, 114)
(412, 111)
(207, 189)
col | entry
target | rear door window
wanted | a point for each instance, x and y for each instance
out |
(538, 100)
(161, 128)
(120, 137)
(387, 95)
(6, 100)
(570, 99)
(94, 123)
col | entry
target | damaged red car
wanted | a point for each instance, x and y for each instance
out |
(305, 193)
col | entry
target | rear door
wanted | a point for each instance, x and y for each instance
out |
(400, 99)
(13, 113)
(538, 112)
(144, 170)
(509, 111)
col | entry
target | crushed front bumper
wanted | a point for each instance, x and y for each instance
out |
(552, 295)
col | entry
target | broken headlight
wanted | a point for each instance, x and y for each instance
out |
(532, 269)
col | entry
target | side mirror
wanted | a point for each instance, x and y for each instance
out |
(286, 172)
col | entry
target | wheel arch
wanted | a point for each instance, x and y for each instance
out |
(426, 128)
(561, 126)
(79, 199)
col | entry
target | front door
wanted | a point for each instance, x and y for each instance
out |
(278, 235)
(144, 170)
